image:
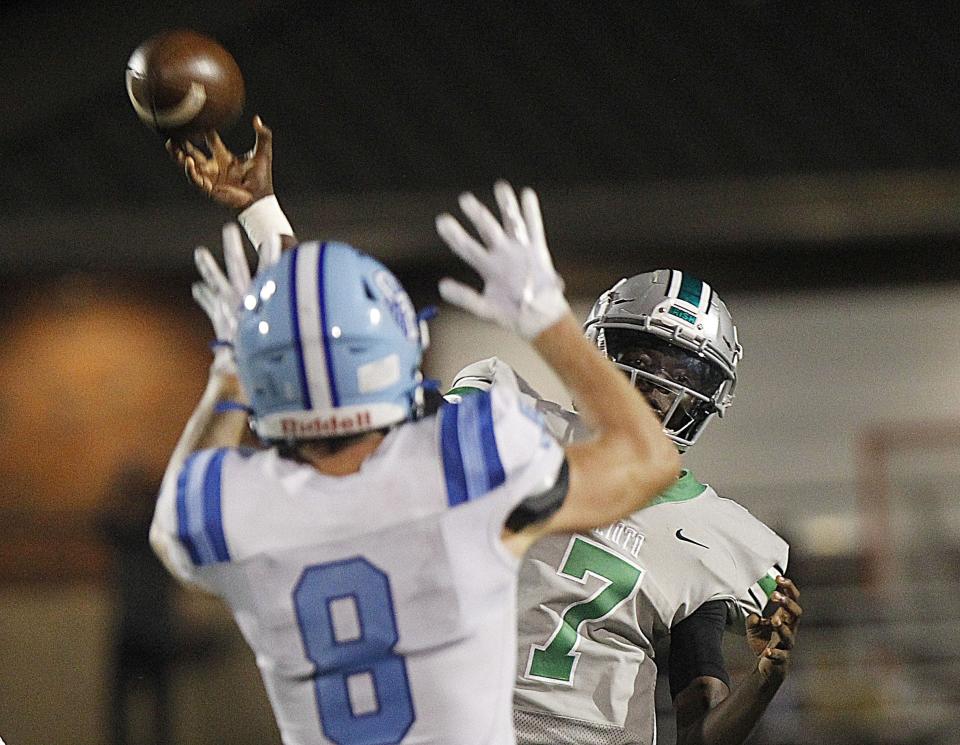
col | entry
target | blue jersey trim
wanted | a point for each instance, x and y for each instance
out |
(471, 459)
(199, 517)
(488, 441)
(324, 331)
(212, 515)
(295, 321)
(183, 529)
(453, 473)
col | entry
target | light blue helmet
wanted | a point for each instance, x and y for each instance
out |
(328, 344)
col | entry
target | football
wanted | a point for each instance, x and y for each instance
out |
(182, 83)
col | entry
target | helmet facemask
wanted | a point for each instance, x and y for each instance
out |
(684, 389)
(676, 340)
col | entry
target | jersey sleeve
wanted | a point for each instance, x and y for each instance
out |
(565, 426)
(756, 597)
(476, 377)
(495, 443)
(187, 532)
(759, 556)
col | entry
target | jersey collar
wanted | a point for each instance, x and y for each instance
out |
(684, 488)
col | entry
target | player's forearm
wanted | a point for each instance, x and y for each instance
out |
(221, 427)
(732, 720)
(629, 460)
(627, 431)
(208, 427)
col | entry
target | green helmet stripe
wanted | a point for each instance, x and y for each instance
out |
(691, 289)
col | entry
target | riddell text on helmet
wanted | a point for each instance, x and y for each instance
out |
(320, 426)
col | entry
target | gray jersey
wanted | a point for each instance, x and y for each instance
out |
(380, 605)
(593, 605)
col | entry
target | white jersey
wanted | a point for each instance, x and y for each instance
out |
(380, 605)
(592, 606)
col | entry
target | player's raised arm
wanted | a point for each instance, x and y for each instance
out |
(629, 460)
(220, 417)
(241, 183)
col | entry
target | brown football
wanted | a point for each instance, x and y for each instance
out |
(182, 83)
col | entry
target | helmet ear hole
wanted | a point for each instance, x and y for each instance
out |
(368, 290)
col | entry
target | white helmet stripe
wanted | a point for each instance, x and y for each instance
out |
(309, 322)
(673, 289)
(705, 294)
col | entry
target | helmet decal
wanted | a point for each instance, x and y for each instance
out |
(683, 315)
(401, 307)
(379, 374)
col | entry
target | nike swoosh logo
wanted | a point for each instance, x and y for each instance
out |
(176, 116)
(682, 537)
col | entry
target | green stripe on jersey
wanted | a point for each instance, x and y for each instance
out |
(767, 584)
(463, 390)
(761, 590)
(691, 289)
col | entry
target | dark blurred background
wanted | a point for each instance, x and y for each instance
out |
(802, 157)
(792, 131)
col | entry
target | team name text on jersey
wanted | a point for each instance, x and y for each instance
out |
(622, 535)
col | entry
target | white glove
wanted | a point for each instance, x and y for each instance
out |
(220, 294)
(521, 289)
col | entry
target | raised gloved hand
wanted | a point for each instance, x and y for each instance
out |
(521, 289)
(220, 295)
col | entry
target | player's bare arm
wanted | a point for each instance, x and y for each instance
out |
(241, 183)
(220, 418)
(630, 460)
(707, 712)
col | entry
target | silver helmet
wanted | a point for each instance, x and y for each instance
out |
(676, 339)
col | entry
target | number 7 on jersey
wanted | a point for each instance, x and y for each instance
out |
(556, 661)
